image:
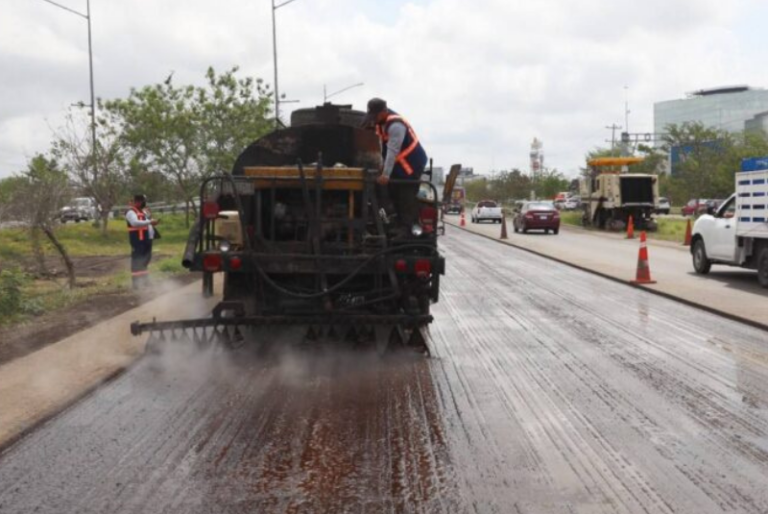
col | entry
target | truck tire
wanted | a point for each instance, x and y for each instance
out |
(762, 267)
(701, 263)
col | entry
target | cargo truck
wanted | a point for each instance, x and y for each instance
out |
(610, 194)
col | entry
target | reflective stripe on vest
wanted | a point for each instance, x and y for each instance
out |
(141, 230)
(403, 155)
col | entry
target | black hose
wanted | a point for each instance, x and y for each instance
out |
(346, 280)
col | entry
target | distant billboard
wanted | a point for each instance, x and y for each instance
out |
(754, 164)
(678, 154)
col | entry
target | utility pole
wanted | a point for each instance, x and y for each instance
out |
(626, 108)
(613, 128)
(275, 7)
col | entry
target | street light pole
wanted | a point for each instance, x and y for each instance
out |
(327, 96)
(275, 7)
(87, 17)
(93, 99)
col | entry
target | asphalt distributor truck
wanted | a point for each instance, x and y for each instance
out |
(296, 235)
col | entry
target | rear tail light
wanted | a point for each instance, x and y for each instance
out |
(210, 210)
(401, 266)
(212, 262)
(428, 219)
(235, 263)
(423, 268)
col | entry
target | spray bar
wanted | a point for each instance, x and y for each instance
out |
(406, 321)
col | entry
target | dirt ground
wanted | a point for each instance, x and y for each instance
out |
(22, 339)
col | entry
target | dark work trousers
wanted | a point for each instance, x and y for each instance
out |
(402, 198)
(141, 254)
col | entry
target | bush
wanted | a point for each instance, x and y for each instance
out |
(11, 282)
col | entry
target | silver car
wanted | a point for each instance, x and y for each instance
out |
(79, 209)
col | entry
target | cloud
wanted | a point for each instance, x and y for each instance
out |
(477, 80)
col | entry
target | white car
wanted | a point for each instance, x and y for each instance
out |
(486, 210)
(572, 203)
(79, 209)
(664, 206)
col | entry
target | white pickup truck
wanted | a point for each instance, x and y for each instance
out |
(486, 210)
(737, 234)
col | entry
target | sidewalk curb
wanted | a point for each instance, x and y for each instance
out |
(651, 241)
(669, 296)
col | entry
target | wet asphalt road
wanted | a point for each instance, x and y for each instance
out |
(549, 391)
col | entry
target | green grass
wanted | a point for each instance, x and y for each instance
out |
(669, 229)
(570, 218)
(82, 239)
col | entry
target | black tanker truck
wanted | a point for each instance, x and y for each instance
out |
(296, 236)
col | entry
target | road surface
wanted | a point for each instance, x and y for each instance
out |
(549, 391)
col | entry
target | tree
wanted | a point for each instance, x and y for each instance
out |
(550, 182)
(40, 192)
(477, 189)
(706, 159)
(100, 174)
(159, 128)
(188, 133)
(233, 113)
(9, 188)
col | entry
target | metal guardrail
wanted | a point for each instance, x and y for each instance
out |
(158, 208)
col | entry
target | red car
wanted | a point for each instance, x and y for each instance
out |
(703, 206)
(537, 216)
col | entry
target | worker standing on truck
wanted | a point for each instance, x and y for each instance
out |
(141, 233)
(404, 160)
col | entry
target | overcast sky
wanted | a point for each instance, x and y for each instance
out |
(478, 80)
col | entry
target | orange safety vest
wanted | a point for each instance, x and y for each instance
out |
(141, 231)
(402, 157)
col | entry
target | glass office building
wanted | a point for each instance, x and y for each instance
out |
(758, 124)
(728, 108)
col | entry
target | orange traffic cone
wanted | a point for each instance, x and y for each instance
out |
(687, 241)
(630, 229)
(463, 222)
(643, 269)
(503, 226)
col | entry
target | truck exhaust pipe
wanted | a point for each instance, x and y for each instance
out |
(194, 238)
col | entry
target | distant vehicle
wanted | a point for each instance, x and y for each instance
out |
(79, 209)
(611, 194)
(713, 205)
(695, 207)
(664, 206)
(537, 216)
(737, 233)
(456, 203)
(486, 210)
(571, 204)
